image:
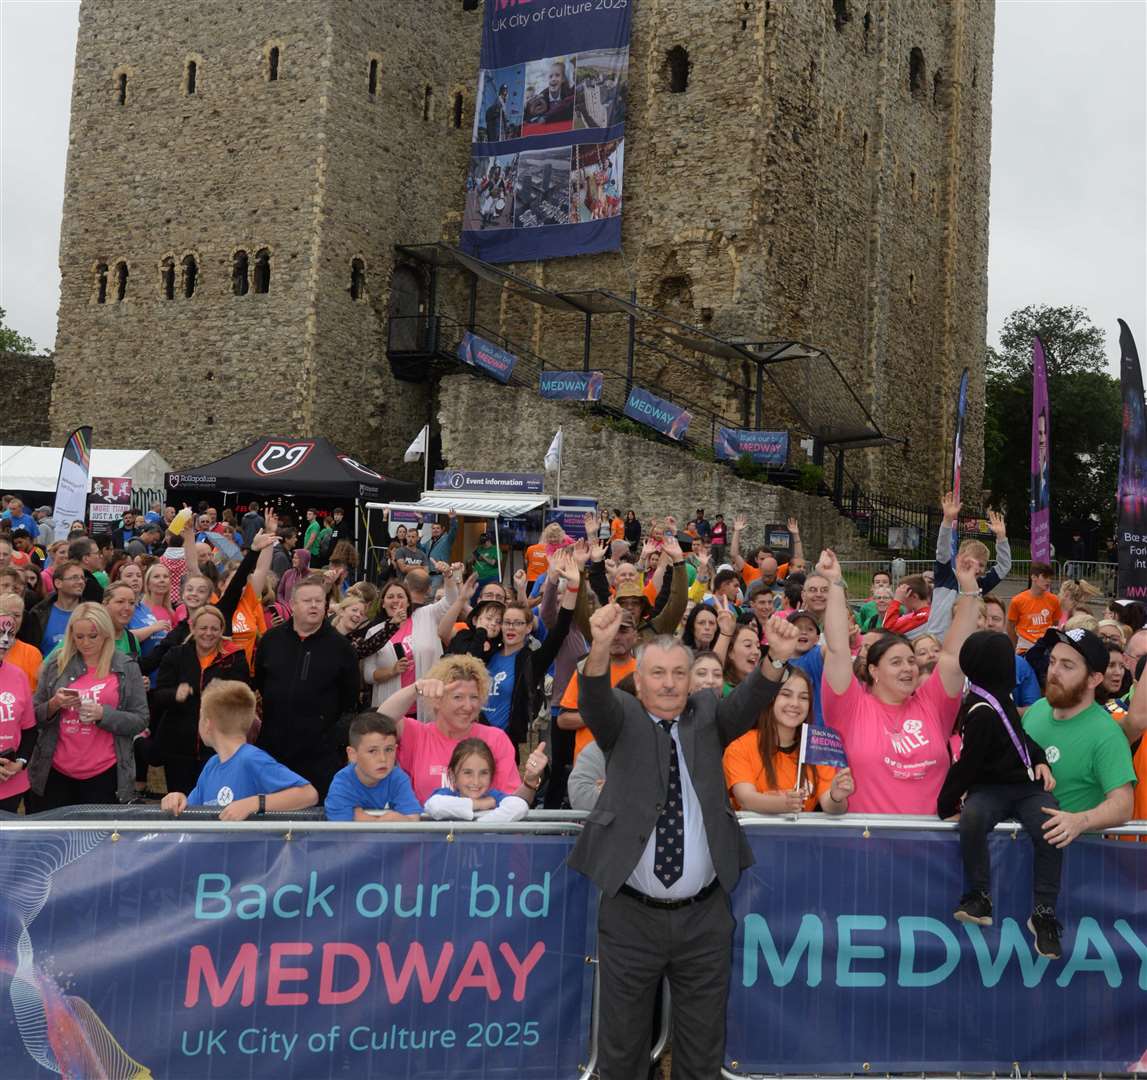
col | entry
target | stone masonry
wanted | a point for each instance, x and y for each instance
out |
(822, 176)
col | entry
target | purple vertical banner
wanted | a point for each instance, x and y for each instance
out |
(1132, 535)
(1040, 501)
(958, 452)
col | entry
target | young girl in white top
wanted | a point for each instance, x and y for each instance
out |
(468, 796)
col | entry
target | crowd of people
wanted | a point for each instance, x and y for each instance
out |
(248, 659)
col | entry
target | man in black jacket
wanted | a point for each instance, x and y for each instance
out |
(308, 675)
(86, 552)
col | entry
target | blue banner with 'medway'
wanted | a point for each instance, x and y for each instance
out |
(215, 956)
(657, 413)
(847, 958)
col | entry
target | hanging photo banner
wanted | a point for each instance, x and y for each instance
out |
(480, 353)
(1040, 458)
(547, 159)
(764, 447)
(571, 385)
(111, 496)
(1132, 537)
(657, 413)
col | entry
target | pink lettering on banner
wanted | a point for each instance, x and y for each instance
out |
(201, 972)
(522, 970)
(469, 977)
(332, 950)
(279, 973)
(415, 963)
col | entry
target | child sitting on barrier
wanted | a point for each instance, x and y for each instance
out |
(1001, 772)
(239, 778)
(372, 787)
(469, 795)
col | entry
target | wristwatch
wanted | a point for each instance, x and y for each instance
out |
(262, 805)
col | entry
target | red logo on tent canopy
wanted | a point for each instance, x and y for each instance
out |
(281, 457)
(359, 466)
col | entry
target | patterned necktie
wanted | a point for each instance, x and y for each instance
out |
(669, 858)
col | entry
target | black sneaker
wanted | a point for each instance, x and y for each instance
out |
(1045, 930)
(975, 907)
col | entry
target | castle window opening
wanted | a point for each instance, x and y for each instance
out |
(459, 105)
(840, 14)
(938, 88)
(192, 73)
(121, 84)
(867, 28)
(427, 102)
(677, 69)
(167, 279)
(262, 271)
(101, 283)
(372, 78)
(911, 288)
(239, 277)
(120, 281)
(469, 5)
(190, 275)
(916, 77)
(273, 64)
(357, 279)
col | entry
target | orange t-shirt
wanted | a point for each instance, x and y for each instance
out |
(743, 765)
(749, 574)
(1033, 615)
(618, 669)
(1139, 807)
(537, 562)
(617, 529)
(28, 659)
(248, 624)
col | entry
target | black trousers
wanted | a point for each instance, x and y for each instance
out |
(560, 749)
(984, 808)
(692, 946)
(11, 805)
(61, 790)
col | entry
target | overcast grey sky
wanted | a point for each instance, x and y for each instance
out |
(1069, 160)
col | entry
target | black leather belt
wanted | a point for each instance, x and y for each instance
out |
(670, 905)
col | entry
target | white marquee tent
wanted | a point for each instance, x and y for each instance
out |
(36, 468)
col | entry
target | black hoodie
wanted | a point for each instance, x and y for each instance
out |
(988, 755)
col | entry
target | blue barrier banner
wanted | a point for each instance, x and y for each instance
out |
(847, 958)
(657, 413)
(480, 353)
(211, 956)
(571, 519)
(764, 447)
(571, 385)
(547, 158)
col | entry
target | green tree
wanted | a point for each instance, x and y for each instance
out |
(1086, 414)
(10, 341)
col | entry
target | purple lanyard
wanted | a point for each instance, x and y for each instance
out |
(1018, 743)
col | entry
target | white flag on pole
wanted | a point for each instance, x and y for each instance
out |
(417, 448)
(554, 453)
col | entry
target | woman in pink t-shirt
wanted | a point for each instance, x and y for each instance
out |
(896, 734)
(90, 704)
(17, 722)
(455, 690)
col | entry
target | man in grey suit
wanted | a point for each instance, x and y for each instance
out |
(664, 846)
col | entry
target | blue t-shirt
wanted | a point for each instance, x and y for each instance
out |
(493, 793)
(249, 771)
(812, 664)
(347, 791)
(1027, 691)
(55, 629)
(501, 670)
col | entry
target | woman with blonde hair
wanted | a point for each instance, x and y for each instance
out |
(90, 704)
(348, 614)
(454, 690)
(1074, 596)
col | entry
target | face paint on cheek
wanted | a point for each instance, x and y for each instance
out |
(7, 632)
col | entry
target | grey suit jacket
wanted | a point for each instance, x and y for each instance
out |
(637, 755)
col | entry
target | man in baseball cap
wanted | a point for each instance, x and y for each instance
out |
(809, 628)
(1088, 752)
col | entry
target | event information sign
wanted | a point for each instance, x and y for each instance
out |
(509, 483)
(657, 413)
(764, 447)
(323, 955)
(547, 159)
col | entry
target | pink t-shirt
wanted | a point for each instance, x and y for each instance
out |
(424, 753)
(16, 716)
(399, 637)
(86, 750)
(898, 753)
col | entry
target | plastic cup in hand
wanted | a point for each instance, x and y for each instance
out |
(179, 522)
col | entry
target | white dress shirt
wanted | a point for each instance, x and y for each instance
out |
(698, 863)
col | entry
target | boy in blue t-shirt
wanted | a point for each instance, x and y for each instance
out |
(240, 778)
(372, 781)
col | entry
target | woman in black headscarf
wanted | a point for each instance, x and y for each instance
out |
(1002, 772)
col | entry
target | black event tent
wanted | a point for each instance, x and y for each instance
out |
(274, 465)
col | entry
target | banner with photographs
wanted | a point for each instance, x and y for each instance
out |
(657, 413)
(764, 447)
(547, 161)
(110, 497)
(480, 353)
(1132, 535)
(572, 385)
(1040, 458)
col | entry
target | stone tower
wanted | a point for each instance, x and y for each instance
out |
(807, 169)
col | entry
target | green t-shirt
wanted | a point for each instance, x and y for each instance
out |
(101, 577)
(486, 571)
(1088, 754)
